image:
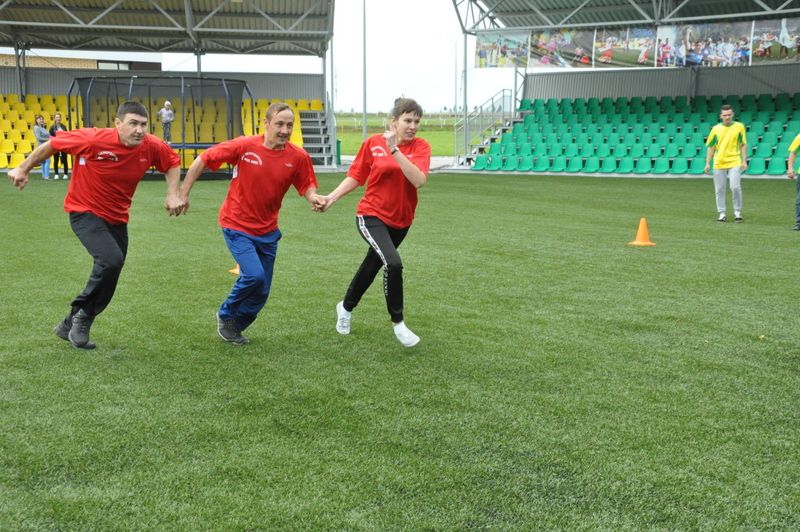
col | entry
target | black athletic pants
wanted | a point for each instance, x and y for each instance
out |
(63, 157)
(108, 245)
(383, 243)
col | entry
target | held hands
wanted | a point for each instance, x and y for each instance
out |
(176, 204)
(320, 203)
(18, 177)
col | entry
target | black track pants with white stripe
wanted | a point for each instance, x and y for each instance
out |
(383, 243)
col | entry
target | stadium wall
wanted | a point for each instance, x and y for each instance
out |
(58, 81)
(768, 79)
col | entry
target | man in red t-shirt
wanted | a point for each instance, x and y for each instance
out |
(109, 163)
(393, 166)
(265, 166)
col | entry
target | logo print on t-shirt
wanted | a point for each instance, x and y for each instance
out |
(107, 156)
(252, 158)
(378, 151)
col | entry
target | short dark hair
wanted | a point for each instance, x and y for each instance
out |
(726, 107)
(277, 107)
(406, 105)
(131, 108)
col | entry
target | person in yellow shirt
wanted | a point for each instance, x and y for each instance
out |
(794, 149)
(727, 144)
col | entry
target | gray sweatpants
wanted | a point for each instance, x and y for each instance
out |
(720, 180)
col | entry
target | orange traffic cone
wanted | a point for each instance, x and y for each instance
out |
(642, 235)
(235, 271)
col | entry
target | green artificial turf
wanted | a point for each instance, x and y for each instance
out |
(564, 380)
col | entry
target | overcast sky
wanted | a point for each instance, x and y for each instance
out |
(414, 48)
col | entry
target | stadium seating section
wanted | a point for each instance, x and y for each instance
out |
(654, 136)
(205, 123)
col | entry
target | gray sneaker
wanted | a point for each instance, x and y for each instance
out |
(229, 331)
(79, 332)
(62, 331)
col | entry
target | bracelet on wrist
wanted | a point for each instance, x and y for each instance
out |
(394, 149)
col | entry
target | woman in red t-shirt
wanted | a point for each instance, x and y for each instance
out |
(393, 166)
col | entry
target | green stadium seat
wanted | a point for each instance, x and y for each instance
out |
(653, 150)
(575, 165)
(480, 163)
(629, 139)
(523, 150)
(603, 150)
(620, 150)
(689, 150)
(775, 127)
(769, 137)
(592, 165)
(535, 138)
(511, 164)
(763, 150)
(748, 102)
(765, 102)
(672, 150)
(571, 150)
(646, 138)
(587, 150)
(756, 129)
(507, 137)
(525, 104)
(609, 165)
(643, 165)
(559, 164)
(715, 102)
(582, 138)
(780, 116)
(637, 150)
(661, 166)
(542, 164)
(509, 149)
(525, 163)
(698, 137)
(494, 163)
(777, 165)
(783, 101)
(681, 101)
(733, 101)
(762, 116)
(662, 139)
(495, 148)
(539, 150)
(555, 149)
(626, 165)
(670, 129)
(756, 166)
(697, 166)
(680, 166)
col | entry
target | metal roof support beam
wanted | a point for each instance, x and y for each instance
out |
(304, 15)
(489, 12)
(640, 10)
(106, 12)
(263, 14)
(69, 13)
(573, 13)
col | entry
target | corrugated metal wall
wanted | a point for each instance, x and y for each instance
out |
(57, 81)
(664, 82)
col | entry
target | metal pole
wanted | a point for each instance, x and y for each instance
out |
(364, 70)
(466, 121)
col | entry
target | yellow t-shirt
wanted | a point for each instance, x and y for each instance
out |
(795, 146)
(728, 141)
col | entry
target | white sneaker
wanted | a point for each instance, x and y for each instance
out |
(56, 176)
(722, 217)
(342, 319)
(66, 176)
(404, 334)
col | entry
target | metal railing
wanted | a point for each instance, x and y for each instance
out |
(482, 123)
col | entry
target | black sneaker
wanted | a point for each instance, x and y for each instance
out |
(722, 218)
(229, 331)
(79, 332)
(62, 331)
(738, 219)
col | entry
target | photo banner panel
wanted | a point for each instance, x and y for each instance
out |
(776, 41)
(624, 48)
(561, 49)
(501, 49)
(723, 44)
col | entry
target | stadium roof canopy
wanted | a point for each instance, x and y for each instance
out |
(268, 27)
(476, 16)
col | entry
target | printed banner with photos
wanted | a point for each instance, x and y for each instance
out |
(498, 49)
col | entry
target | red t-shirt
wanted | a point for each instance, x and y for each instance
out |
(261, 178)
(390, 196)
(106, 172)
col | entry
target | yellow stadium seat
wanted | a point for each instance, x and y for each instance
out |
(16, 159)
(29, 136)
(29, 117)
(5, 125)
(3, 160)
(262, 104)
(12, 98)
(14, 135)
(4, 107)
(7, 146)
(19, 107)
(12, 115)
(206, 133)
(31, 98)
(316, 105)
(220, 131)
(297, 132)
(303, 105)
(22, 125)
(46, 99)
(34, 107)
(24, 146)
(61, 101)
